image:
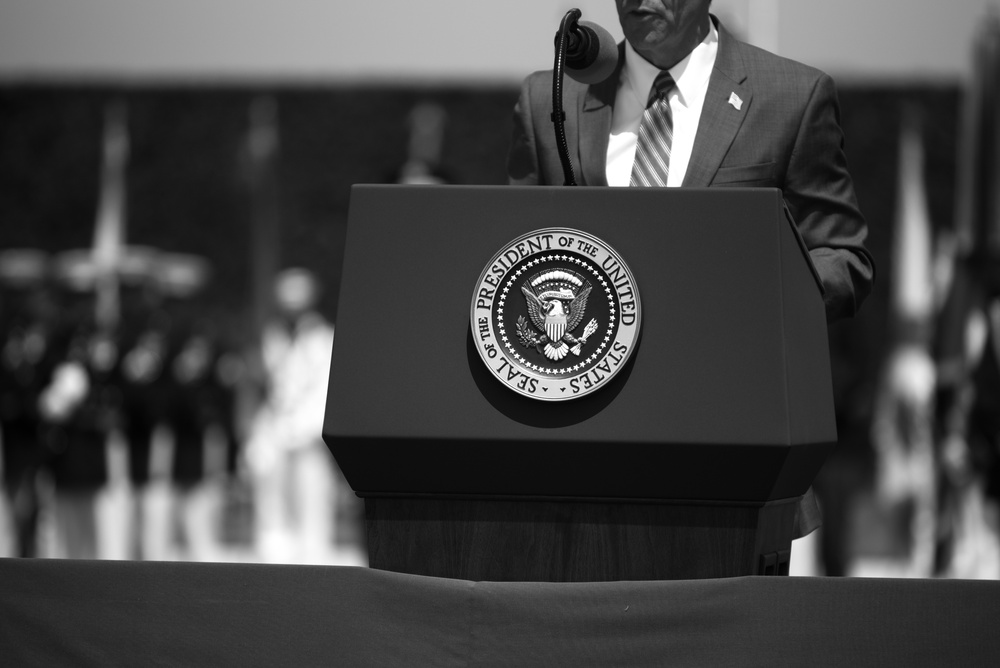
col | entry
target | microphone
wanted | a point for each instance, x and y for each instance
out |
(591, 52)
(588, 53)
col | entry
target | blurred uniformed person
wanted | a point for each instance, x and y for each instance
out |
(82, 406)
(146, 331)
(194, 417)
(26, 331)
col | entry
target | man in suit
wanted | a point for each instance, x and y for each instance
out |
(741, 117)
(738, 117)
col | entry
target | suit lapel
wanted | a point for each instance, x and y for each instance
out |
(720, 117)
(595, 111)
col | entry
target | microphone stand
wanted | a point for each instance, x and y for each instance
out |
(558, 115)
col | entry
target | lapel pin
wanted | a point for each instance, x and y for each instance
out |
(735, 100)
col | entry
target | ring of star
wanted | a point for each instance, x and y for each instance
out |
(501, 328)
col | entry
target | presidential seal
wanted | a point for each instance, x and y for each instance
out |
(555, 314)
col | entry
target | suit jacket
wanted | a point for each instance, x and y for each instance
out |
(786, 134)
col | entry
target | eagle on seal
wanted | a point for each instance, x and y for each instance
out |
(557, 310)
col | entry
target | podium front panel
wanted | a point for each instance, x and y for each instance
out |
(727, 395)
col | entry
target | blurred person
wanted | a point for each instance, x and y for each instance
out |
(977, 553)
(968, 405)
(845, 478)
(423, 165)
(903, 436)
(293, 472)
(82, 408)
(197, 445)
(198, 422)
(144, 395)
(689, 105)
(969, 331)
(26, 333)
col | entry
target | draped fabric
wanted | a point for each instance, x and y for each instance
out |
(99, 613)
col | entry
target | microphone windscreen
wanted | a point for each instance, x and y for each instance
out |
(602, 56)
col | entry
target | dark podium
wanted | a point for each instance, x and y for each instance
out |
(689, 463)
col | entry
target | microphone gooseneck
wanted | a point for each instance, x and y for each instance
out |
(587, 53)
(558, 115)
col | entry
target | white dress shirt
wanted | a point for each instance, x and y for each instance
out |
(686, 101)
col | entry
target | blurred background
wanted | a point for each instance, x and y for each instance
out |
(174, 185)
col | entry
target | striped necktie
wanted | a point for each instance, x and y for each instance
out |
(656, 133)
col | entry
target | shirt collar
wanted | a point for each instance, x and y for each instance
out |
(690, 74)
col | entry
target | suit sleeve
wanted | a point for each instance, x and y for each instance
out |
(522, 158)
(820, 197)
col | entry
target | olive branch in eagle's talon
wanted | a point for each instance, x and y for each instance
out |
(526, 335)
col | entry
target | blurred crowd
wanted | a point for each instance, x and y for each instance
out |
(135, 423)
(936, 424)
(149, 431)
(936, 417)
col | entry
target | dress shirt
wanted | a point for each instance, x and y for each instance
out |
(691, 76)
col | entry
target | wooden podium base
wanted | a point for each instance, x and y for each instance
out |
(577, 541)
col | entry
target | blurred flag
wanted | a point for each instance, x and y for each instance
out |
(109, 229)
(978, 215)
(259, 167)
(974, 262)
(912, 265)
(902, 429)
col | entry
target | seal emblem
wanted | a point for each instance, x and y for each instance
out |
(555, 314)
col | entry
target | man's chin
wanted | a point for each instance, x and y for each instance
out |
(652, 30)
(652, 42)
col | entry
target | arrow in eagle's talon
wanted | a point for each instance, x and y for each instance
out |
(587, 331)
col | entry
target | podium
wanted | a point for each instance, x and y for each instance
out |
(688, 463)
